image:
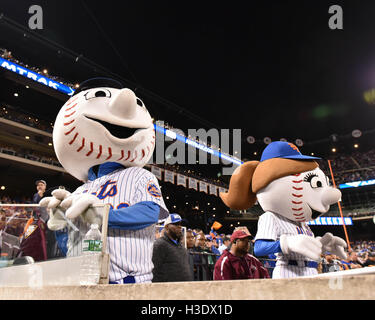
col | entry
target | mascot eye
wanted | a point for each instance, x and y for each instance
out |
(314, 180)
(102, 93)
(316, 183)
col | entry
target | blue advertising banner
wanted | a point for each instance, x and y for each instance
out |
(14, 67)
(330, 221)
(357, 184)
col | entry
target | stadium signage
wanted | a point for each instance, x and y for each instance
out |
(330, 221)
(180, 158)
(14, 67)
(357, 184)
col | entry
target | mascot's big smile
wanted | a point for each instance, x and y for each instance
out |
(315, 214)
(119, 132)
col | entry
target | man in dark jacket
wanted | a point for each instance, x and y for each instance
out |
(170, 258)
(41, 189)
(236, 263)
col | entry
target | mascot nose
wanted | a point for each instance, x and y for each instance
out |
(331, 196)
(124, 105)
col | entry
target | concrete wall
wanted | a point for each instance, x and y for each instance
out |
(357, 287)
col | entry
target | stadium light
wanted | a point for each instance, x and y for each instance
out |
(2, 188)
(356, 145)
(356, 133)
(333, 150)
(250, 139)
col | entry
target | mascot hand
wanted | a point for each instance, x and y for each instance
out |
(301, 244)
(81, 205)
(56, 219)
(58, 195)
(334, 245)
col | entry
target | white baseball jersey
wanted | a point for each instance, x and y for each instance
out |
(130, 250)
(270, 227)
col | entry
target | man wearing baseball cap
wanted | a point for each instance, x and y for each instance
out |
(170, 258)
(41, 189)
(236, 263)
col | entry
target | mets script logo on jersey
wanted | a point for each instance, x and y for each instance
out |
(153, 189)
(301, 230)
(109, 189)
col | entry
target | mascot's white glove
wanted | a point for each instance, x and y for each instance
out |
(334, 245)
(301, 244)
(80, 205)
(64, 204)
(56, 219)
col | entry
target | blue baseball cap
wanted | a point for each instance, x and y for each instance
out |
(286, 150)
(173, 218)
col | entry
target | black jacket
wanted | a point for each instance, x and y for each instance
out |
(36, 197)
(171, 262)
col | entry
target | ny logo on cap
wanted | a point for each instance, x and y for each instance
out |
(293, 147)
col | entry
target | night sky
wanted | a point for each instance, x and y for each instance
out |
(271, 69)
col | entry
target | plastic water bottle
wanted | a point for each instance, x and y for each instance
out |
(91, 248)
(4, 262)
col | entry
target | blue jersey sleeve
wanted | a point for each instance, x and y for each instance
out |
(135, 217)
(266, 247)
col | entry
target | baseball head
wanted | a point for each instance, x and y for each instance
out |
(103, 124)
(284, 181)
(299, 197)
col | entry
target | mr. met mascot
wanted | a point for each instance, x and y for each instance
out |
(103, 136)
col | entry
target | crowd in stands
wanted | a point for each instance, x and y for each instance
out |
(13, 219)
(207, 249)
(29, 154)
(18, 115)
(5, 199)
(352, 167)
(362, 254)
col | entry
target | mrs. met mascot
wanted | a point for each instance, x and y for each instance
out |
(292, 190)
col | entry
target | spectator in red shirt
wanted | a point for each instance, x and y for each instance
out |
(236, 263)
